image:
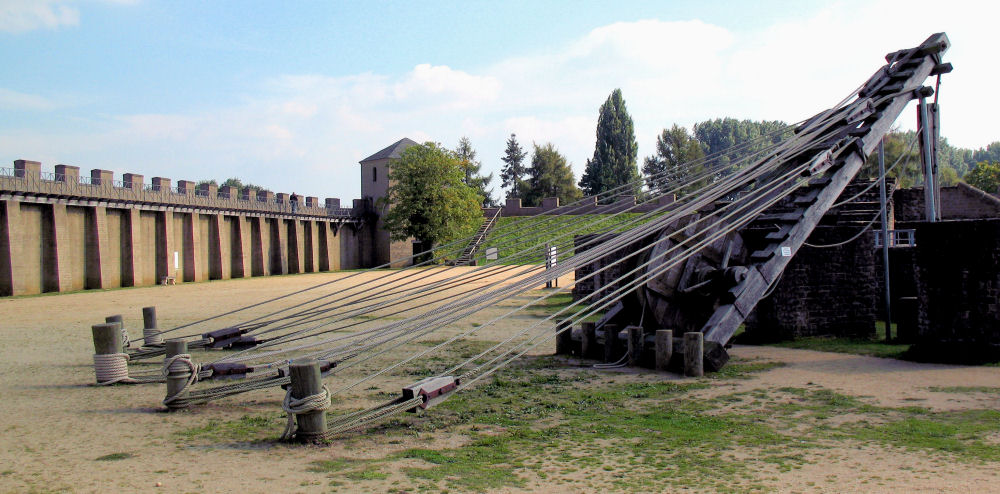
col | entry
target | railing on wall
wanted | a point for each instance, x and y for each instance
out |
(52, 184)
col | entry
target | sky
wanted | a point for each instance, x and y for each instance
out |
(291, 95)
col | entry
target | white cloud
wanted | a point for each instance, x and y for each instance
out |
(18, 16)
(13, 100)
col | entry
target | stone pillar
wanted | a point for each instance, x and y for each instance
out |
(260, 266)
(27, 169)
(192, 239)
(185, 187)
(332, 203)
(312, 202)
(323, 246)
(165, 251)
(62, 277)
(279, 245)
(11, 243)
(132, 249)
(132, 181)
(98, 268)
(161, 184)
(312, 256)
(68, 174)
(215, 223)
(240, 266)
(228, 192)
(296, 246)
(102, 177)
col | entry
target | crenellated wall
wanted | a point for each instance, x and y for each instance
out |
(62, 232)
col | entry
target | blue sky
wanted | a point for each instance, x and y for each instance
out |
(290, 95)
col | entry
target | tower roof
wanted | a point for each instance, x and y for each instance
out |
(392, 151)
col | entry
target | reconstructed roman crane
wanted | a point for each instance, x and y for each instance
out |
(697, 264)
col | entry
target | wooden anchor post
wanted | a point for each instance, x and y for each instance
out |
(177, 377)
(694, 351)
(307, 381)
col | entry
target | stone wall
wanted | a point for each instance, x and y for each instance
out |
(823, 291)
(61, 232)
(961, 201)
(958, 280)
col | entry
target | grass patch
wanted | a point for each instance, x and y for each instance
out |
(737, 369)
(245, 429)
(874, 346)
(115, 457)
(964, 389)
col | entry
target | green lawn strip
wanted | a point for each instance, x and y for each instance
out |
(964, 389)
(874, 346)
(537, 230)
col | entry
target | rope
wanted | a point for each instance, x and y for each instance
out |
(151, 337)
(855, 237)
(297, 406)
(125, 340)
(112, 368)
(180, 363)
(369, 416)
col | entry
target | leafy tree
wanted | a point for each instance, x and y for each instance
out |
(673, 163)
(907, 172)
(616, 151)
(985, 176)
(243, 187)
(513, 169)
(988, 153)
(470, 168)
(550, 176)
(429, 200)
(733, 140)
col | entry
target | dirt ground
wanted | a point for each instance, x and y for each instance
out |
(61, 433)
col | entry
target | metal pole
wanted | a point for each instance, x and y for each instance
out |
(885, 237)
(927, 154)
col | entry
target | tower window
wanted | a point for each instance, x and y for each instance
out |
(374, 174)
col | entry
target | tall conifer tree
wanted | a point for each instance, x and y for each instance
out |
(616, 151)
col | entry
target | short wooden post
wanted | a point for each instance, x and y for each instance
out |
(611, 342)
(588, 340)
(635, 335)
(306, 381)
(150, 331)
(694, 349)
(664, 348)
(178, 376)
(564, 337)
(123, 333)
(107, 341)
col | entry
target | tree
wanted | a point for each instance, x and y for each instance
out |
(243, 188)
(513, 169)
(429, 200)
(550, 176)
(675, 162)
(615, 153)
(470, 168)
(731, 143)
(985, 176)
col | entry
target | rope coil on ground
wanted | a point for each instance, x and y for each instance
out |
(112, 368)
(180, 364)
(296, 406)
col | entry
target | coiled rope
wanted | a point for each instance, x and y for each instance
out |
(179, 364)
(296, 406)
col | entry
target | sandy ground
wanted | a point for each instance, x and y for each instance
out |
(55, 423)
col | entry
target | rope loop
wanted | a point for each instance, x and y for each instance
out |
(180, 364)
(111, 368)
(297, 406)
(151, 337)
